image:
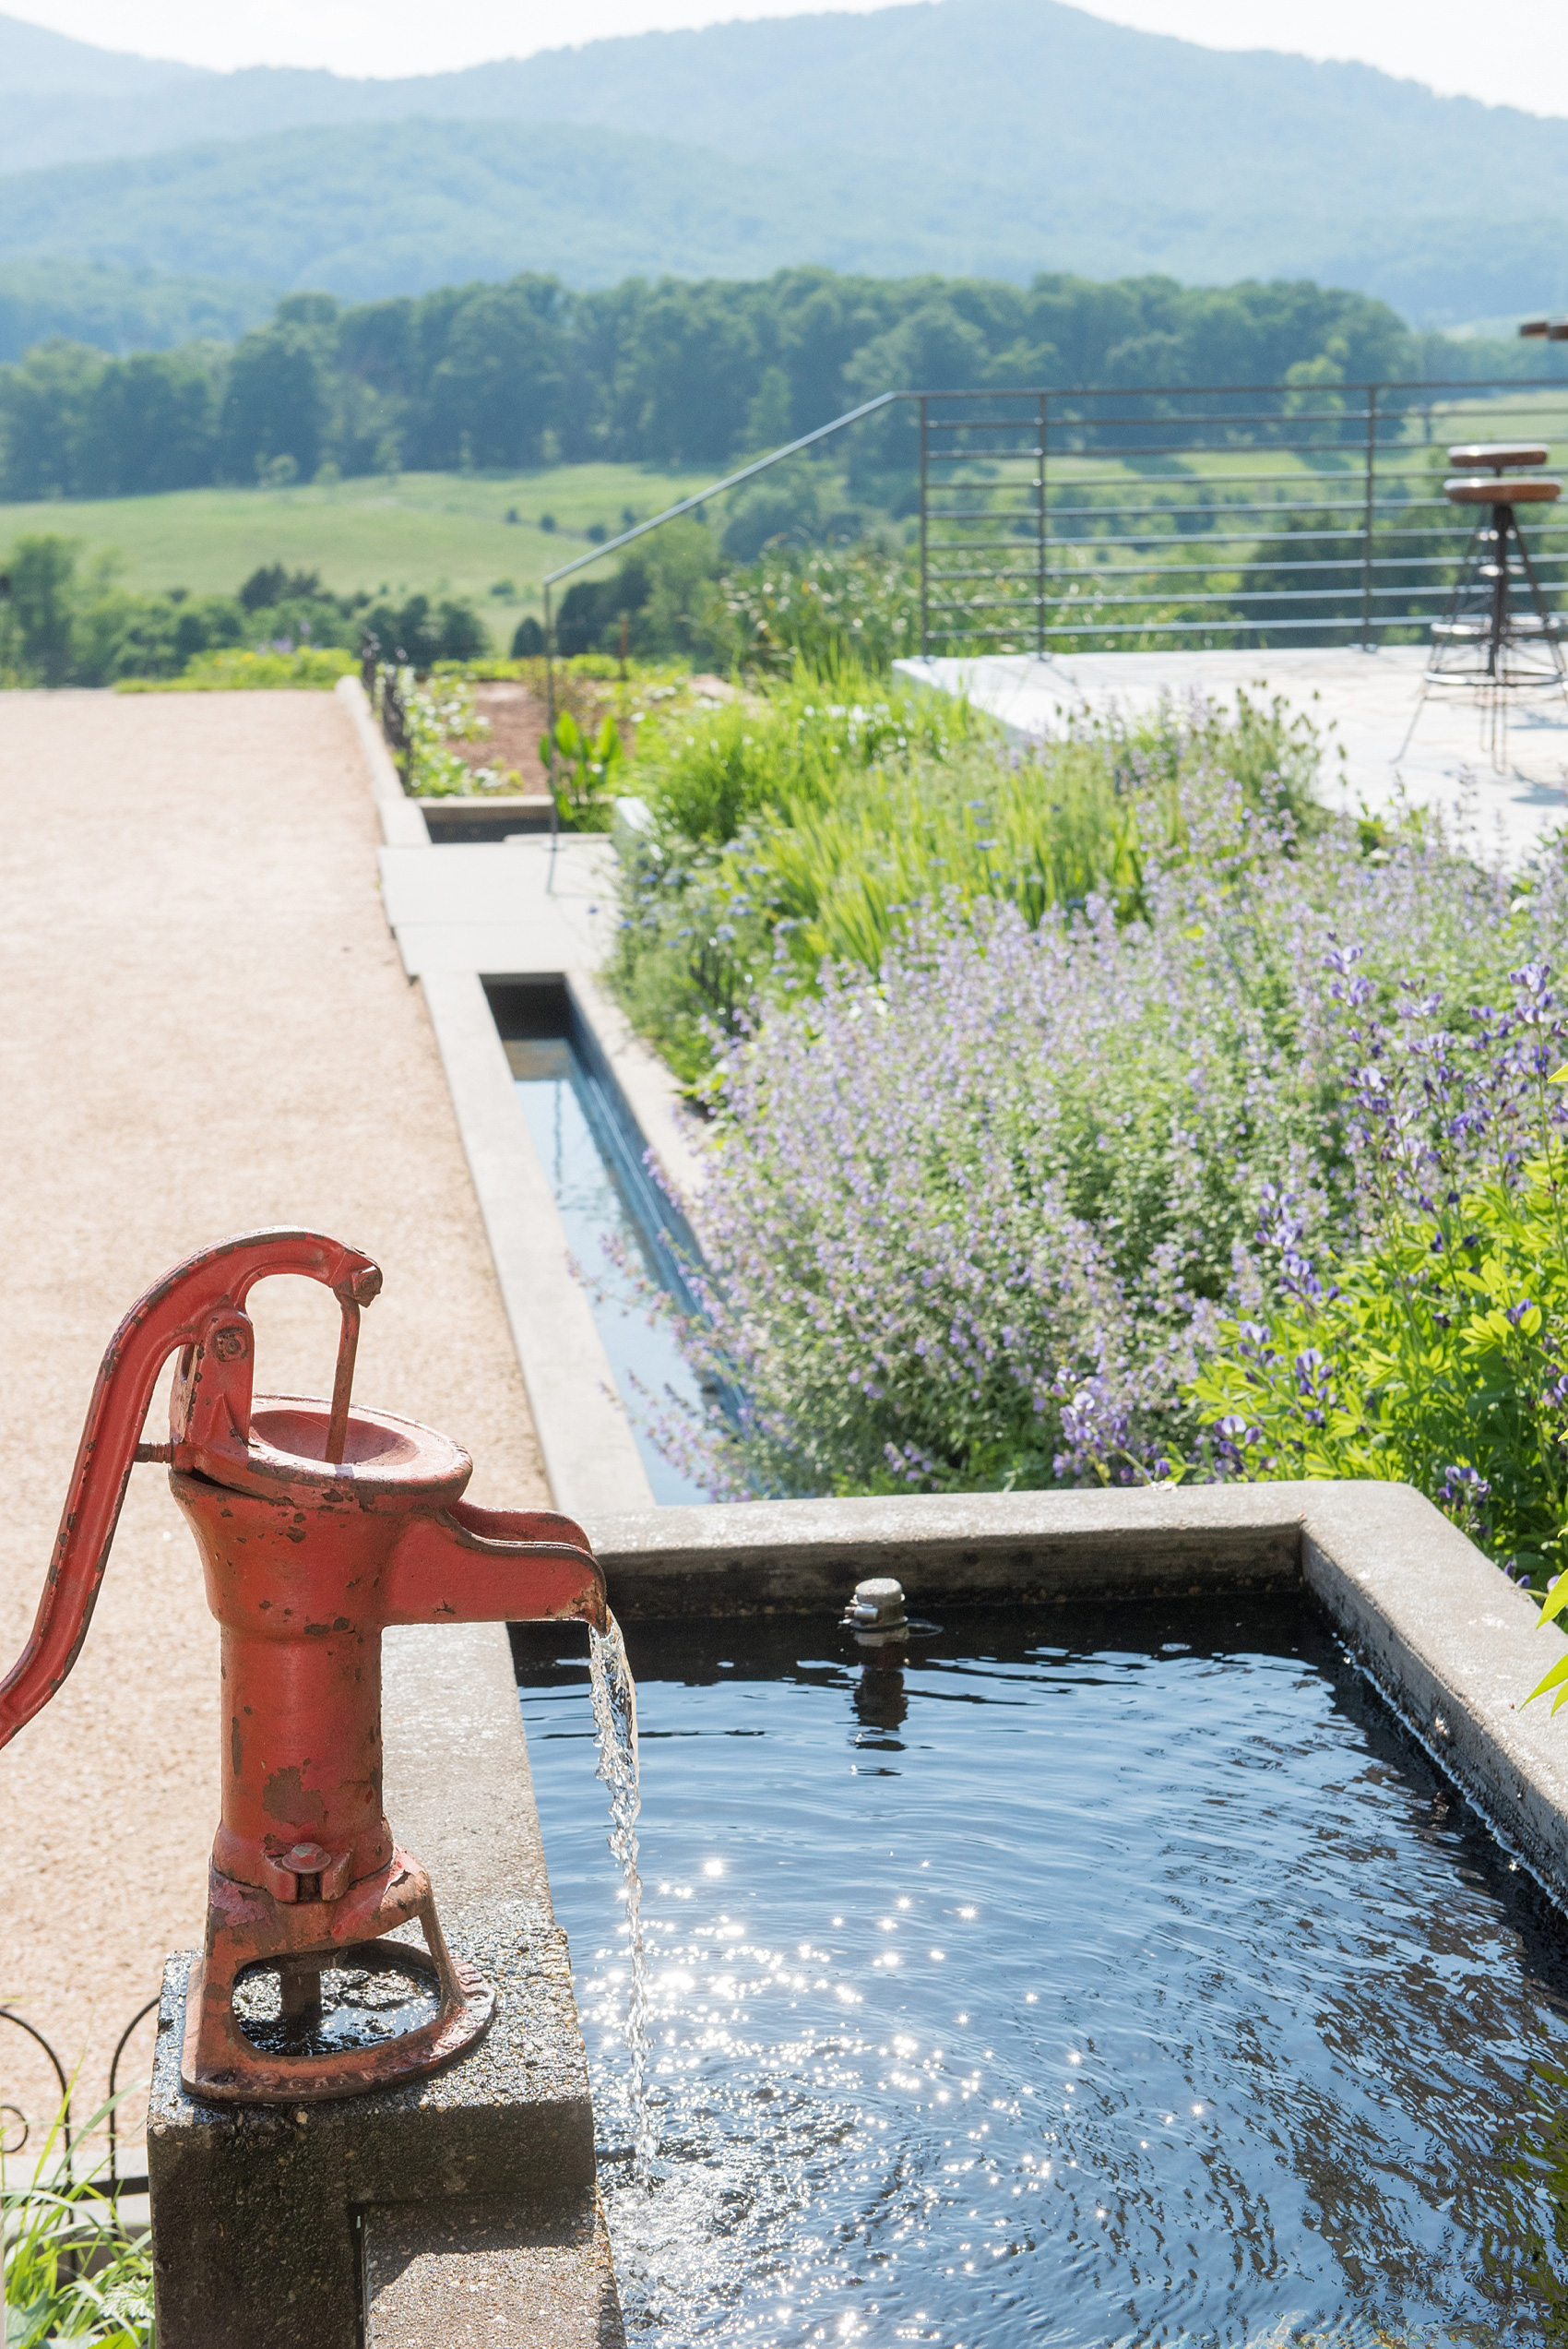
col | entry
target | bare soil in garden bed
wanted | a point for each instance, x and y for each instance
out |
(515, 716)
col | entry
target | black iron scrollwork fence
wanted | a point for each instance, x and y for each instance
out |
(69, 2134)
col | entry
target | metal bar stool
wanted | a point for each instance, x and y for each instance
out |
(1498, 636)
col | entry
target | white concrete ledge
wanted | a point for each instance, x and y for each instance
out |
(649, 1091)
(590, 1456)
(1453, 1644)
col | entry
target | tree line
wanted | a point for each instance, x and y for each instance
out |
(531, 373)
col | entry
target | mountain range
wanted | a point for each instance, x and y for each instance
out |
(996, 138)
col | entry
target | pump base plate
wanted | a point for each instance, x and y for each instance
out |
(247, 1928)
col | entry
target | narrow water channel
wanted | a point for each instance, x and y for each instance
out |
(1115, 1980)
(605, 1196)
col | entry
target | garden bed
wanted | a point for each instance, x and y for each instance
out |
(1113, 1113)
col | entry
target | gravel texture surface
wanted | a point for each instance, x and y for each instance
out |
(206, 1028)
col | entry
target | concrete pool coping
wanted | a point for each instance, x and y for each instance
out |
(1452, 1644)
(464, 913)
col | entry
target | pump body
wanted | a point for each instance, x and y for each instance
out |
(318, 1524)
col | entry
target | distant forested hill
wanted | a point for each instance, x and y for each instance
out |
(994, 135)
(120, 309)
(669, 372)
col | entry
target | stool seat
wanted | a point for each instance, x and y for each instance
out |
(1471, 455)
(1470, 490)
(1522, 623)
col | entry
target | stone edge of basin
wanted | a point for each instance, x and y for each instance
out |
(1453, 1644)
(393, 2220)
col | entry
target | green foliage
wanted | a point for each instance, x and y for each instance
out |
(812, 823)
(309, 667)
(789, 746)
(661, 593)
(40, 611)
(1433, 1360)
(62, 625)
(275, 398)
(72, 2274)
(418, 634)
(584, 769)
(858, 605)
(527, 373)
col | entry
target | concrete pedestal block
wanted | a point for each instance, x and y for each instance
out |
(439, 2276)
(462, 2208)
(282, 2200)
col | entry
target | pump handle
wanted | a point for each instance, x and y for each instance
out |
(171, 1317)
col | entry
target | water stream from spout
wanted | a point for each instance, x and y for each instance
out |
(615, 1727)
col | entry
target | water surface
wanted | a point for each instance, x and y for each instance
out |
(1068, 1979)
(647, 1365)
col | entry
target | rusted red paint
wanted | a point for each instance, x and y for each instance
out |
(318, 1525)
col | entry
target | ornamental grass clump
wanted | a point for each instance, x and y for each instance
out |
(69, 2270)
(987, 1213)
(812, 824)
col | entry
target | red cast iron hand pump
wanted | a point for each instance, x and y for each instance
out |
(318, 1524)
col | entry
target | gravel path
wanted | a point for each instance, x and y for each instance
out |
(205, 1028)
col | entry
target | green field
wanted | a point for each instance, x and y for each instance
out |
(418, 531)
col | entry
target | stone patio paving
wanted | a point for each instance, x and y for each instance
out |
(1363, 703)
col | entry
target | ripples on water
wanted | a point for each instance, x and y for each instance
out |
(1077, 1980)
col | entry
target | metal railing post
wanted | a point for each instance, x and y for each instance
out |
(1369, 515)
(1040, 533)
(550, 737)
(925, 535)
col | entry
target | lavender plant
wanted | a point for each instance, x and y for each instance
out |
(1430, 1339)
(983, 1215)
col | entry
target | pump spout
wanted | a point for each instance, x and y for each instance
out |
(466, 1565)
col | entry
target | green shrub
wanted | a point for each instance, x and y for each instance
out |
(311, 667)
(1426, 1340)
(857, 605)
(417, 634)
(39, 616)
(1436, 1359)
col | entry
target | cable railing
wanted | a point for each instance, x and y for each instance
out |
(1063, 519)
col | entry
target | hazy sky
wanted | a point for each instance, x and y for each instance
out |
(1515, 53)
